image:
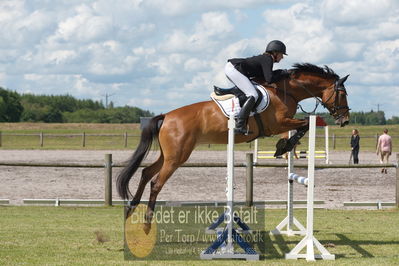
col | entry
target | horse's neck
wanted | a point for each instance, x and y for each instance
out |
(301, 89)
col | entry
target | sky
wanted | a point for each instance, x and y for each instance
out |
(160, 55)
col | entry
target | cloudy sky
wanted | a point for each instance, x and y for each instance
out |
(159, 55)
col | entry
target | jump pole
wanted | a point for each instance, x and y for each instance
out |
(309, 241)
(228, 235)
(326, 149)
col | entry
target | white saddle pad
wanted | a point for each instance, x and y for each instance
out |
(232, 106)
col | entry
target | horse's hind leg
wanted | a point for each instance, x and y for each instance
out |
(174, 156)
(146, 176)
(167, 170)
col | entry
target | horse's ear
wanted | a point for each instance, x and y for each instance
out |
(342, 80)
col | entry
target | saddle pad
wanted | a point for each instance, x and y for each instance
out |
(232, 106)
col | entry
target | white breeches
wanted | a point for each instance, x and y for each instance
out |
(241, 81)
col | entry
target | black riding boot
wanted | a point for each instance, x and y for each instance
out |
(243, 115)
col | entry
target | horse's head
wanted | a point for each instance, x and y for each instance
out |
(324, 84)
(335, 100)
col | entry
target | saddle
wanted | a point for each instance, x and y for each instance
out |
(230, 101)
(238, 93)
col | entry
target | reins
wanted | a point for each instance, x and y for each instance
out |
(335, 107)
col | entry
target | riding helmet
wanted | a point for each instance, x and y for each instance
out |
(276, 46)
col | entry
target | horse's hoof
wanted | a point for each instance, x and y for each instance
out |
(281, 144)
(280, 147)
(279, 152)
(147, 228)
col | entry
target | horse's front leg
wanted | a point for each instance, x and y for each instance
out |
(285, 145)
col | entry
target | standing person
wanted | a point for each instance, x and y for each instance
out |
(240, 70)
(355, 140)
(384, 148)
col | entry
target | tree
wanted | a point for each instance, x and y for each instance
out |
(53, 115)
(63, 108)
(394, 120)
(10, 106)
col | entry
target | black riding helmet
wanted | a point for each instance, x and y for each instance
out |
(276, 46)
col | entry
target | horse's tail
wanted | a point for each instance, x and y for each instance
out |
(149, 133)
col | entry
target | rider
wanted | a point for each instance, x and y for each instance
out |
(240, 70)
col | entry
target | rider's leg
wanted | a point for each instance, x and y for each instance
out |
(240, 80)
(245, 85)
(243, 116)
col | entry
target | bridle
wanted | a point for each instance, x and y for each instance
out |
(336, 107)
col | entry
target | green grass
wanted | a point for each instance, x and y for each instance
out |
(67, 236)
(367, 134)
(54, 139)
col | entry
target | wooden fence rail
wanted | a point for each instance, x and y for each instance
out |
(108, 165)
(124, 136)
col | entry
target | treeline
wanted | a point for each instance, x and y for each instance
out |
(67, 109)
(360, 118)
(63, 109)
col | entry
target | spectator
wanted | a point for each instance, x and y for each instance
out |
(355, 139)
(384, 148)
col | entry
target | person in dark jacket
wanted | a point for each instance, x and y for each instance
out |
(355, 146)
(240, 70)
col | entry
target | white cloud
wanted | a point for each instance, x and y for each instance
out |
(183, 7)
(152, 50)
(142, 51)
(214, 24)
(384, 53)
(195, 64)
(85, 26)
(357, 12)
(211, 28)
(168, 64)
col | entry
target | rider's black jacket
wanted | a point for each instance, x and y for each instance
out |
(259, 66)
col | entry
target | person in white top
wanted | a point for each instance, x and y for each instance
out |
(384, 148)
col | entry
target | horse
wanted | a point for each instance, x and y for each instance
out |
(181, 130)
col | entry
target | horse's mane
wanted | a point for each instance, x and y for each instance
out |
(306, 67)
(281, 74)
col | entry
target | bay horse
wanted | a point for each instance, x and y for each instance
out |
(181, 130)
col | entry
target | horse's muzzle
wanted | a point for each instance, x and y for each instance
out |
(343, 121)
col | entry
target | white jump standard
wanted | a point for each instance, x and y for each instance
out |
(223, 247)
(309, 241)
(290, 221)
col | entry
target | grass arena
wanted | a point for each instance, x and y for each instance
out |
(94, 235)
